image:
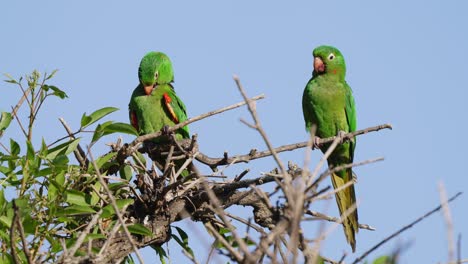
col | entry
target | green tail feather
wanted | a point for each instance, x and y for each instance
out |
(346, 199)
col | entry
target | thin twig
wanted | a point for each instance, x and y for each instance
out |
(406, 227)
(234, 253)
(20, 102)
(266, 241)
(20, 124)
(189, 256)
(258, 126)
(448, 222)
(459, 248)
(14, 222)
(323, 159)
(110, 237)
(79, 153)
(335, 219)
(22, 235)
(248, 223)
(217, 208)
(342, 167)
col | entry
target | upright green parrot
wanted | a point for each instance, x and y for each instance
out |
(154, 103)
(328, 104)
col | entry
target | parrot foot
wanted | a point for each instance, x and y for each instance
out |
(165, 130)
(316, 144)
(341, 135)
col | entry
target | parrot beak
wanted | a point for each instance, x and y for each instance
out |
(148, 89)
(318, 65)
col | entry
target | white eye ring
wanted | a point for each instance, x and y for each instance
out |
(331, 56)
(156, 74)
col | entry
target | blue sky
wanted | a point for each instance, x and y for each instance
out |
(406, 63)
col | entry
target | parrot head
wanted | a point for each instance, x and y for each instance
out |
(155, 68)
(328, 60)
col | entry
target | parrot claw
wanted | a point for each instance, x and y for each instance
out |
(341, 135)
(316, 143)
(165, 130)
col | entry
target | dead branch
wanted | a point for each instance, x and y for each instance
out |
(321, 216)
(254, 154)
(80, 155)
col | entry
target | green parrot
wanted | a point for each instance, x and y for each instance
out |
(328, 104)
(154, 103)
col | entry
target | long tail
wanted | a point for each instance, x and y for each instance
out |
(346, 199)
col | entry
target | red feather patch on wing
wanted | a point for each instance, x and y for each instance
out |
(167, 101)
(134, 121)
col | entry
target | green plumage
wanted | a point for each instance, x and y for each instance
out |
(154, 103)
(152, 114)
(328, 104)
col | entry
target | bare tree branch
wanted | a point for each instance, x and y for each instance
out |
(448, 222)
(254, 154)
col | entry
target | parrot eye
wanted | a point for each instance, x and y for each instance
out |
(331, 56)
(156, 74)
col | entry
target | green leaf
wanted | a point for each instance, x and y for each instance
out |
(10, 78)
(52, 74)
(120, 128)
(126, 172)
(129, 260)
(99, 132)
(108, 210)
(3, 201)
(78, 210)
(56, 91)
(162, 254)
(30, 154)
(141, 158)
(384, 260)
(182, 234)
(94, 196)
(65, 149)
(103, 159)
(15, 148)
(61, 161)
(85, 120)
(44, 150)
(6, 258)
(224, 230)
(75, 197)
(96, 115)
(5, 120)
(6, 221)
(4, 170)
(183, 240)
(139, 229)
(114, 186)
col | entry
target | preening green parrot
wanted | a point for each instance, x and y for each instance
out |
(328, 104)
(154, 103)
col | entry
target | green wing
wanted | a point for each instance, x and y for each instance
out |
(177, 110)
(309, 114)
(350, 109)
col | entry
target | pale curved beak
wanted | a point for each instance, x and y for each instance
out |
(318, 65)
(148, 89)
